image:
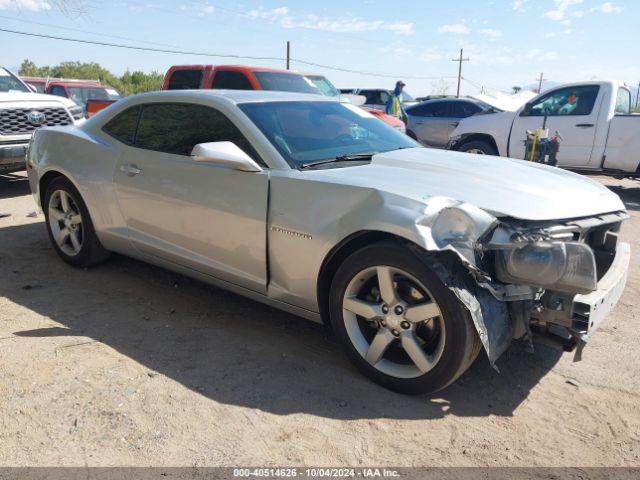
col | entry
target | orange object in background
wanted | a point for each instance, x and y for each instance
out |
(94, 106)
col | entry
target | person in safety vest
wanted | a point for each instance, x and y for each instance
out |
(394, 106)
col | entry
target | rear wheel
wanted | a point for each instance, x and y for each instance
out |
(478, 147)
(69, 225)
(398, 323)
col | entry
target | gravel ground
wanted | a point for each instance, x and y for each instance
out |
(127, 364)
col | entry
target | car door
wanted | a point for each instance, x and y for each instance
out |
(570, 111)
(431, 122)
(201, 216)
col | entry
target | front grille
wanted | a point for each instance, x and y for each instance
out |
(15, 121)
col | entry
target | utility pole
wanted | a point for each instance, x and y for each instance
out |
(288, 54)
(540, 82)
(637, 96)
(459, 60)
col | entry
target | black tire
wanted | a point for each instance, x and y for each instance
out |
(480, 146)
(462, 343)
(91, 251)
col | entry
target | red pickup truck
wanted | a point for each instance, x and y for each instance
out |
(235, 77)
(240, 77)
(91, 95)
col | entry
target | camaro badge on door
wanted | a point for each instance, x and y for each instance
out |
(34, 117)
(293, 233)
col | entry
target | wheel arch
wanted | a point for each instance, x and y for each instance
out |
(44, 182)
(478, 137)
(350, 244)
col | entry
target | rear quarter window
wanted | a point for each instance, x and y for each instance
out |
(123, 126)
(185, 80)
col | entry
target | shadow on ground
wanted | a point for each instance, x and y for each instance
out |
(13, 185)
(629, 195)
(230, 349)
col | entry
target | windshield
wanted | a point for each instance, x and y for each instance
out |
(80, 95)
(325, 86)
(10, 83)
(305, 132)
(285, 82)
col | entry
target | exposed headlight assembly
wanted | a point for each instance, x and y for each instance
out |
(561, 266)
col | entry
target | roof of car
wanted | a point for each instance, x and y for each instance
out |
(234, 67)
(239, 96)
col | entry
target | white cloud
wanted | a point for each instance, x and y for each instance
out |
(491, 33)
(456, 28)
(562, 9)
(519, 5)
(32, 5)
(208, 10)
(286, 19)
(607, 7)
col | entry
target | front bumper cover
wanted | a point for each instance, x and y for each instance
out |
(589, 310)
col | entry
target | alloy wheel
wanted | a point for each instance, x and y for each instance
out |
(393, 321)
(65, 222)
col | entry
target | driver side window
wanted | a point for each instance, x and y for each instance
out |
(578, 100)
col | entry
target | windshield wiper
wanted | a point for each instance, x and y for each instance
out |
(340, 158)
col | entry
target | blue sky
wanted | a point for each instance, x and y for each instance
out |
(509, 42)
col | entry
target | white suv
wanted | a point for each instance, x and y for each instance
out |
(22, 112)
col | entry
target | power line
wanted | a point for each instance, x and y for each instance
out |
(49, 25)
(220, 55)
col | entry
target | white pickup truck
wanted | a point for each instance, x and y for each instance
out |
(598, 131)
(21, 112)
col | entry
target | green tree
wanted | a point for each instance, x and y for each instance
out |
(127, 84)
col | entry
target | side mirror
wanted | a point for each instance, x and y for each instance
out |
(224, 154)
(526, 111)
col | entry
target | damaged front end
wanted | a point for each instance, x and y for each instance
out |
(579, 267)
(555, 279)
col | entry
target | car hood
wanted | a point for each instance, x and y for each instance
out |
(34, 97)
(501, 186)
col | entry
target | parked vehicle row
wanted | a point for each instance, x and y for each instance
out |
(22, 112)
(82, 92)
(377, 98)
(594, 120)
(415, 260)
(240, 77)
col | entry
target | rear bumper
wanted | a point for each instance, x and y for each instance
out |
(12, 157)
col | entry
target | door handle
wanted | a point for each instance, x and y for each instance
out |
(130, 170)
(585, 125)
(419, 123)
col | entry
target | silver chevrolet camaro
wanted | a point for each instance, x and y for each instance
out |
(416, 258)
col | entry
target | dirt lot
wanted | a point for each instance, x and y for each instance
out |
(128, 364)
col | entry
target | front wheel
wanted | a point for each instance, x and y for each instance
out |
(478, 147)
(398, 323)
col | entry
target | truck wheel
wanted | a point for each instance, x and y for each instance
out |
(479, 147)
(398, 323)
(69, 225)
